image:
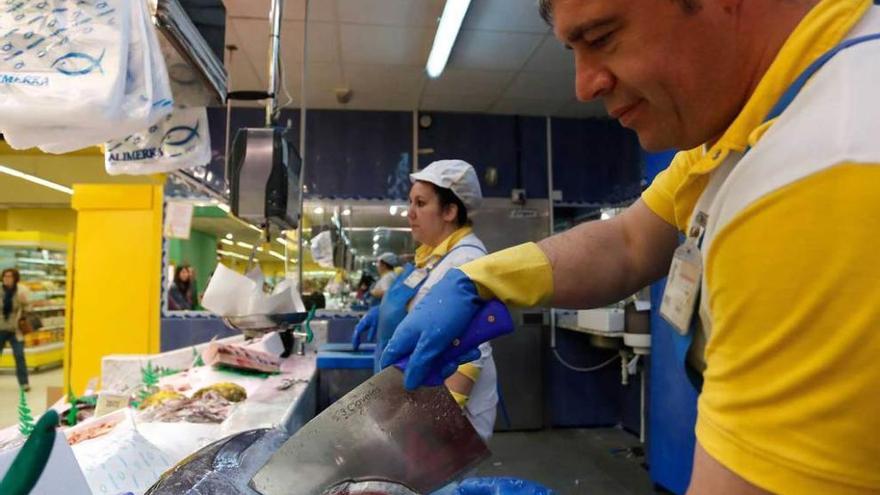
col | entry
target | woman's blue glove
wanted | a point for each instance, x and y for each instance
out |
(430, 328)
(501, 486)
(367, 324)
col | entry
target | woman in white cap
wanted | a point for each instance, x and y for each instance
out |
(442, 195)
(385, 266)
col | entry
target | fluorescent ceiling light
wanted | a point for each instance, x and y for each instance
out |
(229, 235)
(36, 180)
(277, 255)
(319, 210)
(346, 212)
(404, 213)
(447, 31)
(245, 245)
(227, 242)
(393, 210)
(232, 255)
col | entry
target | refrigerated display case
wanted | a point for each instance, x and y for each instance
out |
(41, 259)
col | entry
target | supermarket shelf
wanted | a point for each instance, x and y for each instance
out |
(47, 308)
(36, 273)
(48, 293)
(40, 357)
(55, 327)
(44, 348)
(40, 261)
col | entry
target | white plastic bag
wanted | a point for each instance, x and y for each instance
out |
(322, 249)
(179, 140)
(147, 98)
(62, 60)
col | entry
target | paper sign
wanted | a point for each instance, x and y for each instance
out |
(178, 219)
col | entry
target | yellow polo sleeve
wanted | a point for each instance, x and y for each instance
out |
(791, 398)
(664, 196)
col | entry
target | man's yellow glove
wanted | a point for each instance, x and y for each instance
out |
(518, 276)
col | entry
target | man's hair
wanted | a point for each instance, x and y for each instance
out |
(545, 8)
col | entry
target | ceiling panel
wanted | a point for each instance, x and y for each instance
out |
(493, 50)
(542, 85)
(385, 45)
(319, 10)
(551, 56)
(407, 80)
(505, 60)
(505, 15)
(413, 13)
(469, 82)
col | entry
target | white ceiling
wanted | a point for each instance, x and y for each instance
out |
(505, 60)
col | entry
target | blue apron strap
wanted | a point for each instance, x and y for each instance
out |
(682, 343)
(799, 83)
(393, 308)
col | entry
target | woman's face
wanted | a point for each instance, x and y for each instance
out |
(429, 222)
(184, 275)
(8, 279)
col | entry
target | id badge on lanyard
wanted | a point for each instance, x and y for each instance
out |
(684, 280)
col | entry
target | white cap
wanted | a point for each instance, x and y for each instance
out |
(457, 175)
(389, 258)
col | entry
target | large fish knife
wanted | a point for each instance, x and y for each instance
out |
(381, 431)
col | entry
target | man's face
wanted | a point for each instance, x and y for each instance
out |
(670, 75)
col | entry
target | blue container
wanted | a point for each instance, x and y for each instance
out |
(340, 371)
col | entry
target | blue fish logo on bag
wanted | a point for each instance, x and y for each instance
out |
(182, 135)
(78, 64)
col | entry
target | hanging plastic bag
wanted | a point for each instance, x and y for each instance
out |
(322, 249)
(62, 61)
(147, 98)
(179, 140)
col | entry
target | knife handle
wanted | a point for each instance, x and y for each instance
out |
(491, 321)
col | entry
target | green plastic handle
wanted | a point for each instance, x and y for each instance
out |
(28, 465)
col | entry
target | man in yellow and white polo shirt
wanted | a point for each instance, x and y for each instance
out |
(779, 196)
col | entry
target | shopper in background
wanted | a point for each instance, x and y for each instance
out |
(182, 294)
(14, 306)
(385, 266)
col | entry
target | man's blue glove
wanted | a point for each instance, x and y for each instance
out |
(501, 486)
(367, 324)
(430, 328)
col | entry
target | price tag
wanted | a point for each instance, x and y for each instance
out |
(109, 402)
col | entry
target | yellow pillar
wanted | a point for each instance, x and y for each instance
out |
(116, 276)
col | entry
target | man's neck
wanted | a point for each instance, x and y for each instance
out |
(768, 24)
